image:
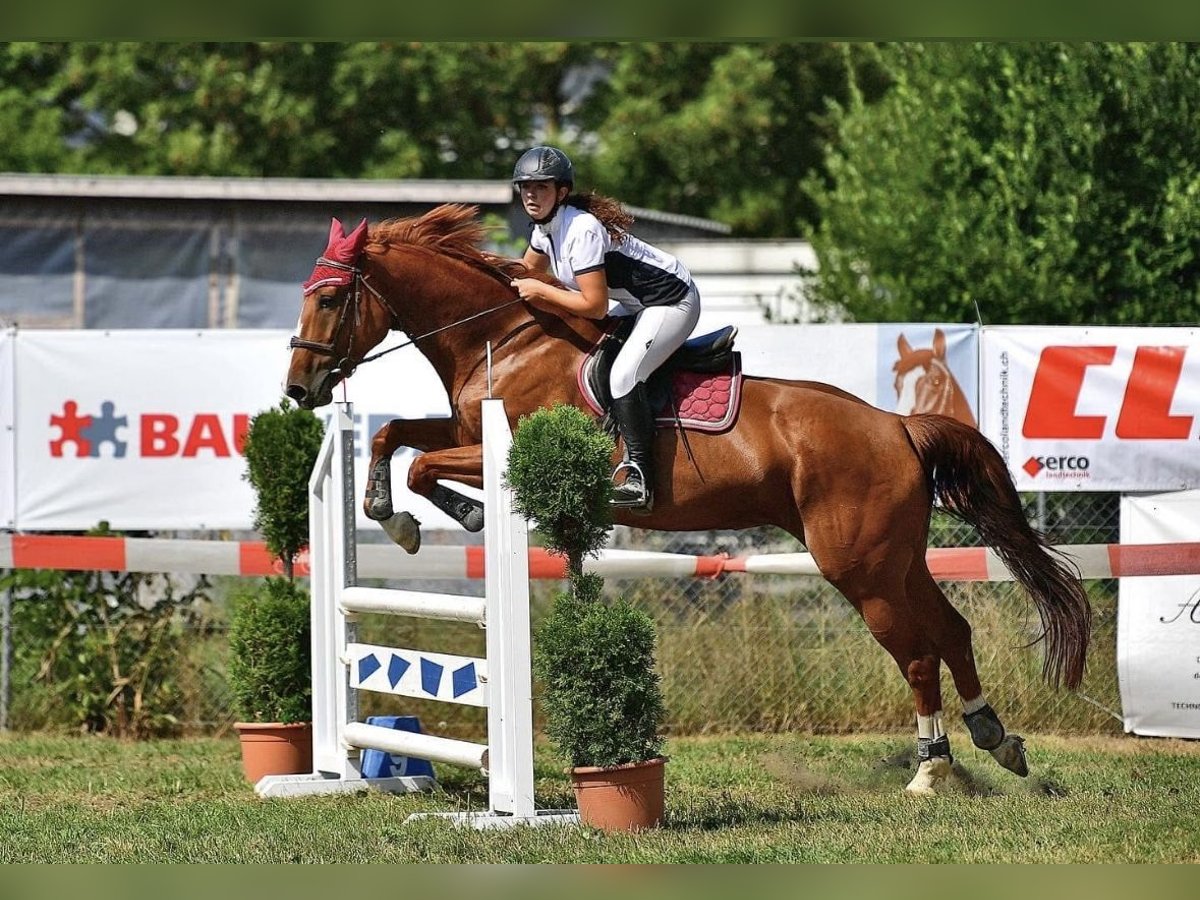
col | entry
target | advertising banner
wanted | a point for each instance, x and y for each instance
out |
(1158, 623)
(143, 429)
(1093, 409)
(8, 486)
(902, 368)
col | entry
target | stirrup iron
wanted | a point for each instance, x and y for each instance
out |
(643, 500)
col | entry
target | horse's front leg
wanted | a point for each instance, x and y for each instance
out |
(420, 434)
(430, 436)
(461, 464)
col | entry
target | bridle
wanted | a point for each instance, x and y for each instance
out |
(347, 365)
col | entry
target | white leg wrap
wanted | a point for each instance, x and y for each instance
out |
(935, 770)
(930, 727)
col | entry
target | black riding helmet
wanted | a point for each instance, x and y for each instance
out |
(544, 164)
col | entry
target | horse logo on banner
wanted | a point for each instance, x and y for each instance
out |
(925, 384)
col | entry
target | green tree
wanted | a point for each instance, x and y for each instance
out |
(724, 131)
(374, 110)
(105, 651)
(721, 130)
(34, 126)
(1038, 183)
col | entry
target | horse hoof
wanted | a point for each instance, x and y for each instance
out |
(473, 520)
(930, 774)
(404, 530)
(1011, 755)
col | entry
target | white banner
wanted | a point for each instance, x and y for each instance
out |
(882, 364)
(1158, 623)
(142, 428)
(1093, 409)
(8, 432)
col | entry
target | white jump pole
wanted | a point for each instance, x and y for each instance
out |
(341, 666)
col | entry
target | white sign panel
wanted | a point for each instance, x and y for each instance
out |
(892, 366)
(1158, 623)
(1094, 409)
(143, 429)
(8, 485)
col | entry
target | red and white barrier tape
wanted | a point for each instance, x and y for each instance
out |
(120, 554)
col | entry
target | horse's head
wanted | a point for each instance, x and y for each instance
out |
(337, 326)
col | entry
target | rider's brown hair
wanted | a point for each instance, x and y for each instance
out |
(615, 218)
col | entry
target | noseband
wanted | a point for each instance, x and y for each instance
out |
(348, 364)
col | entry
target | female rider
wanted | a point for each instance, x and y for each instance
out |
(583, 240)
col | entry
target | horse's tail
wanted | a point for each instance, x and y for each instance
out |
(968, 476)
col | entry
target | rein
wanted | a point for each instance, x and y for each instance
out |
(420, 337)
(347, 365)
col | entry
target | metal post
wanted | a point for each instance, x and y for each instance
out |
(348, 542)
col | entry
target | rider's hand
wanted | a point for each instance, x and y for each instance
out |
(528, 288)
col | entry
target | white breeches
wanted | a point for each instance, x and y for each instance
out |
(658, 332)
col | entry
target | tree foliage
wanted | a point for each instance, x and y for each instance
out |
(1037, 182)
(103, 651)
(559, 469)
(725, 131)
(281, 449)
(1045, 183)
(309, 110)
(718, 130)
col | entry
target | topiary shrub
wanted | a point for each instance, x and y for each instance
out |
(269, 648)
(559, 469)
(281, 448)
(601, 695)
(270, 673)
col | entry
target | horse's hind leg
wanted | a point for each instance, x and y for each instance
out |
(920, 665)
(951, 633)
(893, 624)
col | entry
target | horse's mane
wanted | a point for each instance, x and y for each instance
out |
(452, 229)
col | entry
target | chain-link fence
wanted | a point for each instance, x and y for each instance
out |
(736, 653)
(770, 652)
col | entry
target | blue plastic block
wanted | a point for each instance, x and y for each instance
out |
(378, 764)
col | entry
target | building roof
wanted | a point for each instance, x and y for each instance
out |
(335, 190)
(485, 192)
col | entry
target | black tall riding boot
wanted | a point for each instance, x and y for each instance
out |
(635, 420)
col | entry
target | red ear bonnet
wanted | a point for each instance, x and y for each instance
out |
(343, 250)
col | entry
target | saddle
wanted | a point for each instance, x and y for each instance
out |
(699, 387)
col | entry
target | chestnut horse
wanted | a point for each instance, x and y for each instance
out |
(854, 483)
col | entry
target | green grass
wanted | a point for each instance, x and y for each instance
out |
(761, 798)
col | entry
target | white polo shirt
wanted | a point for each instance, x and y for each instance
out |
(639, 275)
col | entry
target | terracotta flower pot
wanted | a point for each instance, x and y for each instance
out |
(272, 748)
(620, 798)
